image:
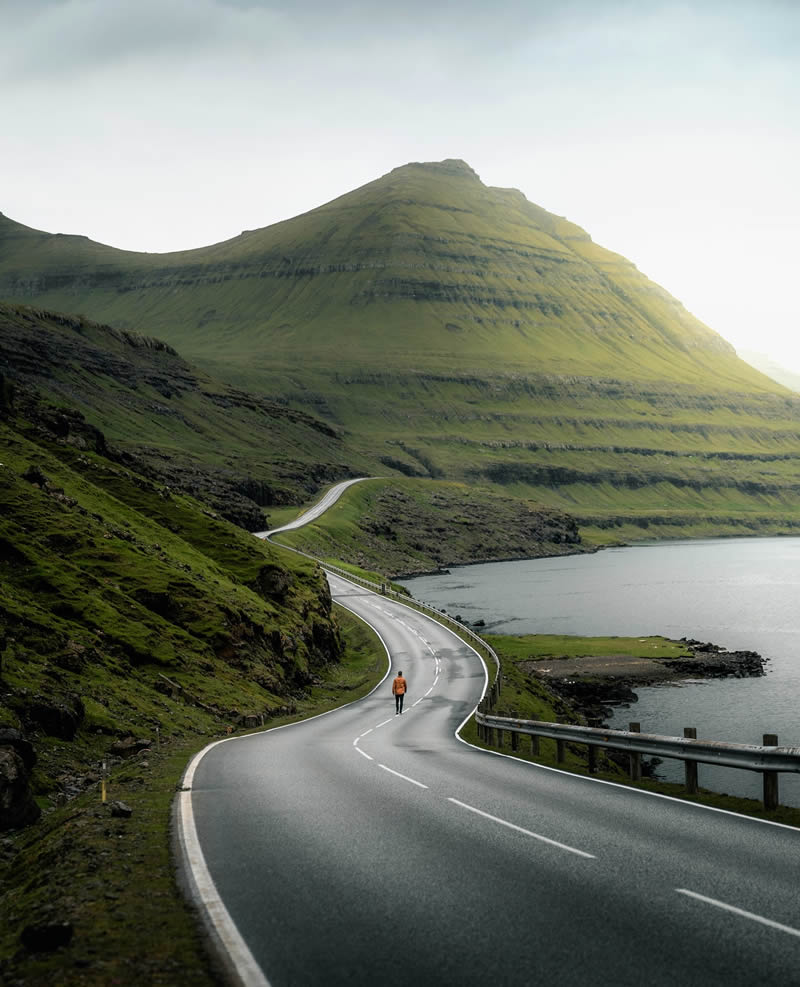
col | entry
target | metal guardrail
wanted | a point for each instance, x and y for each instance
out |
(768, 760)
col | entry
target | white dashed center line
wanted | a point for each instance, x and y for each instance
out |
(404, 777)
(741, 912)
(519, 829)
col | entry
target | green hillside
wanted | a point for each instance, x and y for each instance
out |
(238, 452)
(446, 329)
(109, 581)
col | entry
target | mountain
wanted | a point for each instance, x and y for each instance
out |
(424, 264)
(449, 329)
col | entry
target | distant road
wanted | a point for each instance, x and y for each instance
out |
(314, 512)
(365, 848)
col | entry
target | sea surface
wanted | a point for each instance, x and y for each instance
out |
(740, 593)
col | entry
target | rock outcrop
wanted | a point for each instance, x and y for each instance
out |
(17, 758)
(595, 684)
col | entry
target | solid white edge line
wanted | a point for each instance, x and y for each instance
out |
(741, 912)
(404, 777)
(204, 890)
(201, 883)
(429, 691)
(417, 702)
(521, 829)
(625, 788)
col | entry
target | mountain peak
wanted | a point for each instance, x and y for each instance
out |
(454, 167)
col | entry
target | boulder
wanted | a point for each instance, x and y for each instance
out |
(272, 582)
(48, 937)
(57, 717)
(129, 746)
(121, 810)
(17, 805)
(11, 737)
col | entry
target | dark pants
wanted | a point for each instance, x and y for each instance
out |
(398, 702)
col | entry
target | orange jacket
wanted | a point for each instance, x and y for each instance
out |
(399, 686)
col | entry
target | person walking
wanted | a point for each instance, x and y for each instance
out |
(399, 689)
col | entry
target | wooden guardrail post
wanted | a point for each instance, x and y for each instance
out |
(635, 760)
(534, 745)
(592, 759)
(514, 734)
(770, 777)
(690, 767)
(561, 751)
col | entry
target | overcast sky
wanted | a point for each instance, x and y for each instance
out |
(669, 130)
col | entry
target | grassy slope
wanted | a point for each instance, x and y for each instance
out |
(81, 865)
(424, 264)
(109, 580)
(198, 433)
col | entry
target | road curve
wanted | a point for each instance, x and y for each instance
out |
(362, 848)
(328, 500)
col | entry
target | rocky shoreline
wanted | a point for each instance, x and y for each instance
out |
(596, 684)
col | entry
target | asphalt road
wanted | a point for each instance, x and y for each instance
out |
(328, 500)
(366, 848)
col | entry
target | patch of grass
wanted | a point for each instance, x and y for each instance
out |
(535, 647)
(113, 879)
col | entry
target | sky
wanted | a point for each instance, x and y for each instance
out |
(670, 131)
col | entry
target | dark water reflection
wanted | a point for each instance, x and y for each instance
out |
(739, 593)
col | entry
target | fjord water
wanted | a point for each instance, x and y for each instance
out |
(740, 593)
